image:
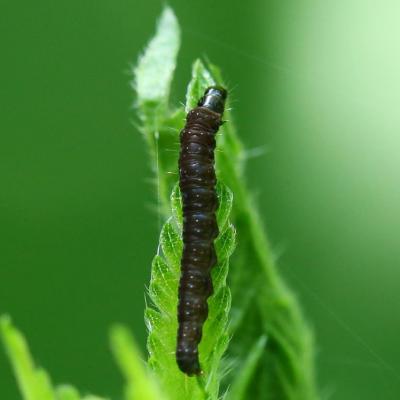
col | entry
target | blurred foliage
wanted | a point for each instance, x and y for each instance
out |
(34, 382)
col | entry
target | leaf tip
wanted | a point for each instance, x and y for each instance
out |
(168, 16)
(154, 70)
(201, 79)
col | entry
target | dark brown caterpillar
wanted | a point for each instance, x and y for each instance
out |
(197, 183)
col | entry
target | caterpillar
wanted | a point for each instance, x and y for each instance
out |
(197, 182)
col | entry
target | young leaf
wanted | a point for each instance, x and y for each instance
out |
(154, 71)
(161, 315)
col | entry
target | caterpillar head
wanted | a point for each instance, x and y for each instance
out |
(214, 99)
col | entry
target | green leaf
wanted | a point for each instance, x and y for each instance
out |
(176, 205)
(161, 316)
(219, 275)
(163, 289)
(171, 244)
(225, 244)
(140, 384)
(225, 201)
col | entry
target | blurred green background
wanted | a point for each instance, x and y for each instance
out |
(314, 83)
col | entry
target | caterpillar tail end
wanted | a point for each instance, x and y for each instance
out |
(188, 363)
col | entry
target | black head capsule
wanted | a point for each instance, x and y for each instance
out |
(214, 99)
